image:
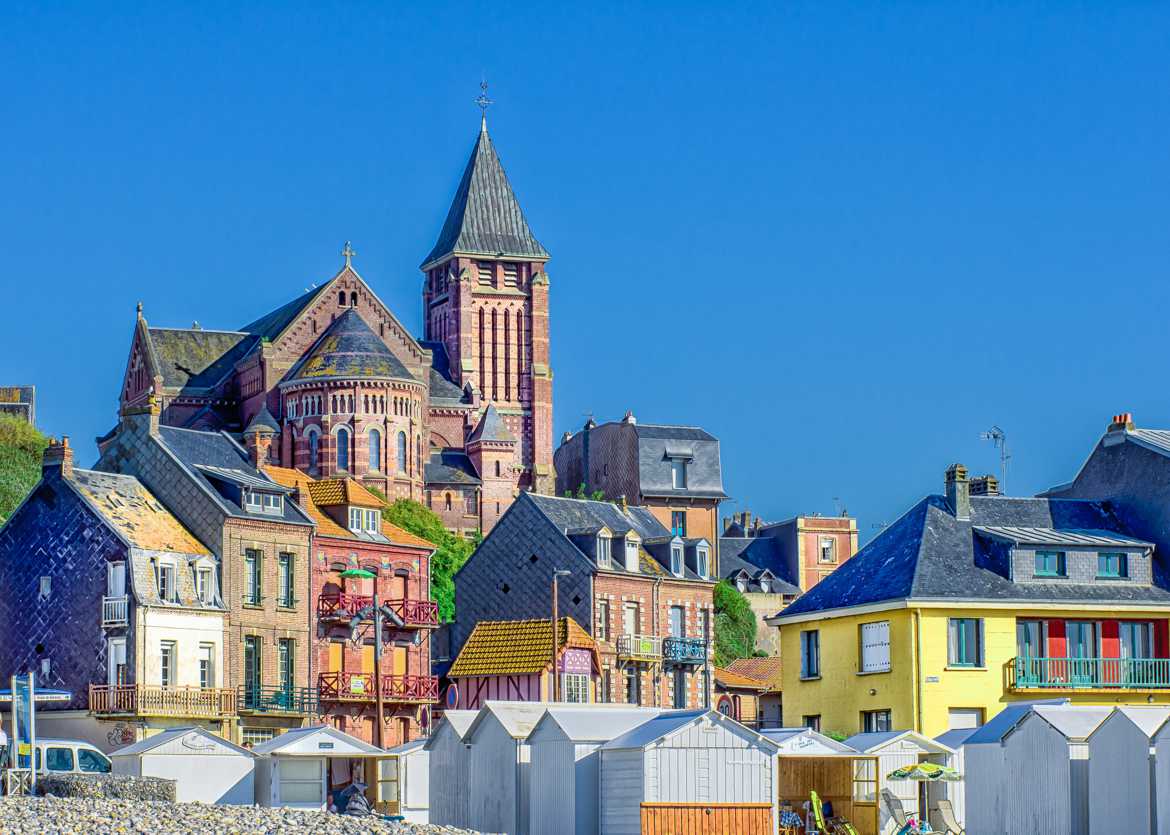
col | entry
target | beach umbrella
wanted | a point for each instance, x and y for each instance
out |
(925, 771)
(359, 572)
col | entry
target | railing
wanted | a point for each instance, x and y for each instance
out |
(359, 687)
(299, 700)
(415, 613)
(684, 650)
(156, 700)
(114, 611)
(647, 647)
(1026, 673)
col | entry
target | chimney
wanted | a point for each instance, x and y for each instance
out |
(568, 436)
(958, 492)
(258, 444)
(629, 418)
(985, 485)
(622, 502)
(58, 458)
(145, 416)
(1121, 423)
(747, 522)
(757, 527)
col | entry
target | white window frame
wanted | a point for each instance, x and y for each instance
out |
(676, 560)
(273, 503)
(632, 555)
(355, 519)
(372, 517)
(284, 579)
(810, 654)
(164, 569)
(603, 549)
(678, 473)
(874, 647)
(701, 560)
(828, 549)
(168, 651)
(204, 583)
(253, 502)
(113, 569)
(206, 665)
(575, 688)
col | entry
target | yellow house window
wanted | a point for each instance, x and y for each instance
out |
(875, 647)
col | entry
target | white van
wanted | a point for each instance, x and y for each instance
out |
(69, 756)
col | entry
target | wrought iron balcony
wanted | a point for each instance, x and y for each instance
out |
(114, 611)
(639, 647)
(156, 700)
(1026, 673)
(343, 606)
(684, 650)
(359, 687)
(278, 700)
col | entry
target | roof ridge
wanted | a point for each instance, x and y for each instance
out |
(198, 330)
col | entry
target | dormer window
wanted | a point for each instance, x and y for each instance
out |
(1112, 566)
(765, 585)
(256, 501)
(164, 577)
(678, 473)
(676, 560)
(603, 550)
(631, 554)
(203, 584)
(701, 559)
(362, 520)
(741, 584)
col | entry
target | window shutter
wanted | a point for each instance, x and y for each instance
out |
(875, 647)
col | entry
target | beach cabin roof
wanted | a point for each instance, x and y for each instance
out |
(592, 724)
(458, 720)
(1149, 719)
(956, 737)
(1076, 722)
(783, 736)
(407, 747)
(871, 743)
(317, 741)
(517, 718)
(189, 740)
(671, 722)
(1000, 725)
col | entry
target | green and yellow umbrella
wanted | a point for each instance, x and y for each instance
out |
(925, 771)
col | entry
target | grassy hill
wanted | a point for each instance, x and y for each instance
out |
(21, 446)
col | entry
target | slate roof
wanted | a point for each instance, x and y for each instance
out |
(271, 325)
(491, 427)
(133, 511)
(731, 563)
(262, 421)
(450, 466)
(485, 217)
(1048, 536)
(584, 516)
(347, 349)
(205, 453)
(516, 647)
(443, 388)
(196, 360)
(657, 444)
(767, 670)
(929, 554)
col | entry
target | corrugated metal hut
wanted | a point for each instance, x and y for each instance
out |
(1027, 771)
(805, 742)
(499, 775)
(449, 766)
(205, 767)
(1161, 747)
(405, 780)
(651, 772)
(955, 739)
(1122, 770)
(566, 773)
(894, 750)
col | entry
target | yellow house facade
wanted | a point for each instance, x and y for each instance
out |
(968, 603)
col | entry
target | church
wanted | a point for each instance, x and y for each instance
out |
(332, 384)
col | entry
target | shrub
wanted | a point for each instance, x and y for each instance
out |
(21, 447)
(735, 625)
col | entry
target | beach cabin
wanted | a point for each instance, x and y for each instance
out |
(499, 773)
(303, 768)
(805, 742)
(1161, 747)
(565, 765)
(954, 739)
(1027, 771)
(688, 770)
(404, 777)
(450, 764)
(894, 750)
(1122, 769)
(850, 782)
(205, 767)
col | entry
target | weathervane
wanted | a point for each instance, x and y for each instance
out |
(348, 252)
(484, 103)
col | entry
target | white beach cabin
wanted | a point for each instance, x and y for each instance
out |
(805, 742)
(1027, 771)
(405, 778)
(566, 775)
(1121, 769)
(449, 766)
(684, 757)
(499, 775)
(894, 750)
(293, 768)
(955, 739)
(205, 767)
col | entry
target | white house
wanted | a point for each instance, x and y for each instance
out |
(1121, 769)
(897, 749)
(685, 756)
(499, 773)
(449, 765)
(565, 765)
(1027, 771)
(204, 766)
(292, 769)
(805, 742)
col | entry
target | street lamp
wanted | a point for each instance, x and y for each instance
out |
(556, 681)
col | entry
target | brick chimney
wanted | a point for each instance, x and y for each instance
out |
(145, 416)
(958, 491)
(258, 445)
(629, 417)
(1121, 423)
(985, 485)
(58, 458)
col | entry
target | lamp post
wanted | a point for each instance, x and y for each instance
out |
(556, 681)
(378, 663)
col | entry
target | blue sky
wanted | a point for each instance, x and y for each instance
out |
(845, 238)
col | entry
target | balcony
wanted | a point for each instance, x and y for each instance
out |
(639, 647)
(684, 650)
(1089, 674)
(343, 606)
(156, 700)
(359, 687)
(114, 611)
(297, 701)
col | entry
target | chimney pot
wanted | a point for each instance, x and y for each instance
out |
(958, 491)
(629, 418)
(1122, 422)
(58, 458)
(985, 485)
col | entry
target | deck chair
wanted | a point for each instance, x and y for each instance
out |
(832, 826)
(946, 813)
(895, 808)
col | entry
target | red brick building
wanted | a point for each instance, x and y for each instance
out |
(346, 391)
(351, 535)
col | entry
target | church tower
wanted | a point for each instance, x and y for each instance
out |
(485, 298)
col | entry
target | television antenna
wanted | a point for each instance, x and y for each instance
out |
(999, 439)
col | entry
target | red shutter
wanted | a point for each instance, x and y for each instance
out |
(1162, 639)
(1057, 642)
(1110, 639)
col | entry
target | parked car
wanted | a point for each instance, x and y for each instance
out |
(68, 756)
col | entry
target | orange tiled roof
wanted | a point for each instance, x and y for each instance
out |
(510, 647)
(400, 536)
(332, 491)
(766, 670)
(726, 678)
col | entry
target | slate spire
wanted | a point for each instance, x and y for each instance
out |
(485, 217)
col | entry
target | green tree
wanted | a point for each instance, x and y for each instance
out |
(596, 495)
(451, 551)
(735, 625)
(21, 447)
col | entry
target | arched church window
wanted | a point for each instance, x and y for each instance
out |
(375, 449)
(341, 298)
(353, 299)
(343, 449)
(314, 445)
(402, 452)
(497, 469)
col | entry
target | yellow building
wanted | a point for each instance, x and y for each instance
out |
(969, 602)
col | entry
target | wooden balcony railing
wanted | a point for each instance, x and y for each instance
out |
(155, 700)
(359, 687)
(1026, 673)
(639, 647)
(343, 606)
(114, 611)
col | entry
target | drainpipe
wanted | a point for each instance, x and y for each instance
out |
(917, 671)
(654, 597)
